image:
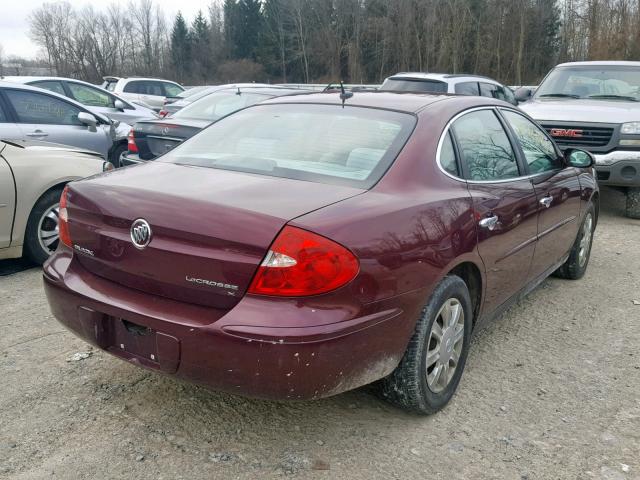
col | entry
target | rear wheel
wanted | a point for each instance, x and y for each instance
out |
(115, 154)
(42, 236)
(633, 202)
(429, 373)
(576, 265)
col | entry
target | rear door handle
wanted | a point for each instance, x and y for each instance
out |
(37, 133)
(489, 222)
(546, 201)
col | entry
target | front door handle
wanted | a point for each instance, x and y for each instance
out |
(546, 201)
(489, 222)
(37, 133)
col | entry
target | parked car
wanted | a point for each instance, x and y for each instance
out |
(28, 112)
(418, 82)
(32, 176)
(308, 245)
(152, 138)
(95, 98)
(596, 106)
(171, 106)
(149, 92)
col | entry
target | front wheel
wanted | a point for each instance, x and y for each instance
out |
(115, 154)
(429, 373)
(633, 202)
(576, 265)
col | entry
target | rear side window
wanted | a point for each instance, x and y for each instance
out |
(467, 88)
(132, 87)
(3, 115)
(539, 151)
(33, 107)
(90, 96)
(448, 157)
(413, 85)
(484, 146)
(350, 146)
(51, 85)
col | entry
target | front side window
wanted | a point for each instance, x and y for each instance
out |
(33, 107)
(485, 147)
(539, 151)
(90, 96)
(467, 88)
(51, 85)
(172, 90)
(350, 146)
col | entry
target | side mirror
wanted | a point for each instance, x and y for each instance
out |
(119, 105)
(575, 157)
(523, 94)
(88, 119)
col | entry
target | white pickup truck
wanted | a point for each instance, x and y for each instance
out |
(594, 106)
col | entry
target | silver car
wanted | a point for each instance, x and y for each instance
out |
(33, 113)
(32, 176)
(95, 98)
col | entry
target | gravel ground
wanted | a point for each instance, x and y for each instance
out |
(551, 391)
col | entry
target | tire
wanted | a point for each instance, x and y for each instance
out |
(43, 216)
(576, 265)
(410, 385)
(633, 202)
(115, 154)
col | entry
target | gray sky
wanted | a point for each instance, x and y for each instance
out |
(14, 28)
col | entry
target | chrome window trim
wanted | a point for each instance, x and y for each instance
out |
(444, 133)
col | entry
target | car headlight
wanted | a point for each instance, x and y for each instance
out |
(630, 128)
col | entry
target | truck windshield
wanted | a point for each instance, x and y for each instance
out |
(600, 82)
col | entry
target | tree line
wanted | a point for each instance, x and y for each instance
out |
(358, 41)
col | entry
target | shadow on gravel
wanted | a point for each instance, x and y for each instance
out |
(8, 267)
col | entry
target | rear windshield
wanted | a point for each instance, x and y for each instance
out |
(413, 85)
(350, 146)
(216, 105)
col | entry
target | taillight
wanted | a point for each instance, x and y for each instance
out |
(131, 142)
(301, 263)
(63, 219)
(163, 113)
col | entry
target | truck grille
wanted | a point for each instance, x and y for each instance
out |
(579, 135)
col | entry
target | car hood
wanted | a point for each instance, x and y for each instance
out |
(37, 145)
(582, 110)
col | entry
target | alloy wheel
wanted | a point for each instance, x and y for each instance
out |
(48, 230)
(585, 241)
(444, 346)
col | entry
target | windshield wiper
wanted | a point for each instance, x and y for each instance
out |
(561, 95)
(620, 97)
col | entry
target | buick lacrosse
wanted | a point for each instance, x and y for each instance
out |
(312, 244)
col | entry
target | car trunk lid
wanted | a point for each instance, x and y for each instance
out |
(155, 138)
(210, 229)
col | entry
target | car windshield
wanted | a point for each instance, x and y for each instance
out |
(217, 105)
(604, 82)
(413, 85)
(350, 146)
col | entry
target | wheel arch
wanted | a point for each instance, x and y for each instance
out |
(57, 185)
(470, 273)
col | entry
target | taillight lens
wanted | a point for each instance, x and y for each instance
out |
(162, 113)
(131, 142)
(63, 219)
(301, 263)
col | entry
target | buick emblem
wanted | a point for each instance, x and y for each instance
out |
(140, 233)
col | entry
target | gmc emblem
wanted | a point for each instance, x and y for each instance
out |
(565, 132)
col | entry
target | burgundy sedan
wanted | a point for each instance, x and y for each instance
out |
(304, 247)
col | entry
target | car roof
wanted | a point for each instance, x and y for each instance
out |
(398, 101)
(595, 63)
(443, 77)
(29, 79)
(141, 78)
(21, 86)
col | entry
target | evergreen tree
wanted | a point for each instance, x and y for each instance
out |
(180, 48)
(200, 36)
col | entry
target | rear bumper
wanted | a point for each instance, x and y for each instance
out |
(618, 168)
(253, 349)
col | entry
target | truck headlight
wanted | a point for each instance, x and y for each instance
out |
(630, 128)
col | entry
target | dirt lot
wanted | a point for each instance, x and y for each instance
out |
(551, 390)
